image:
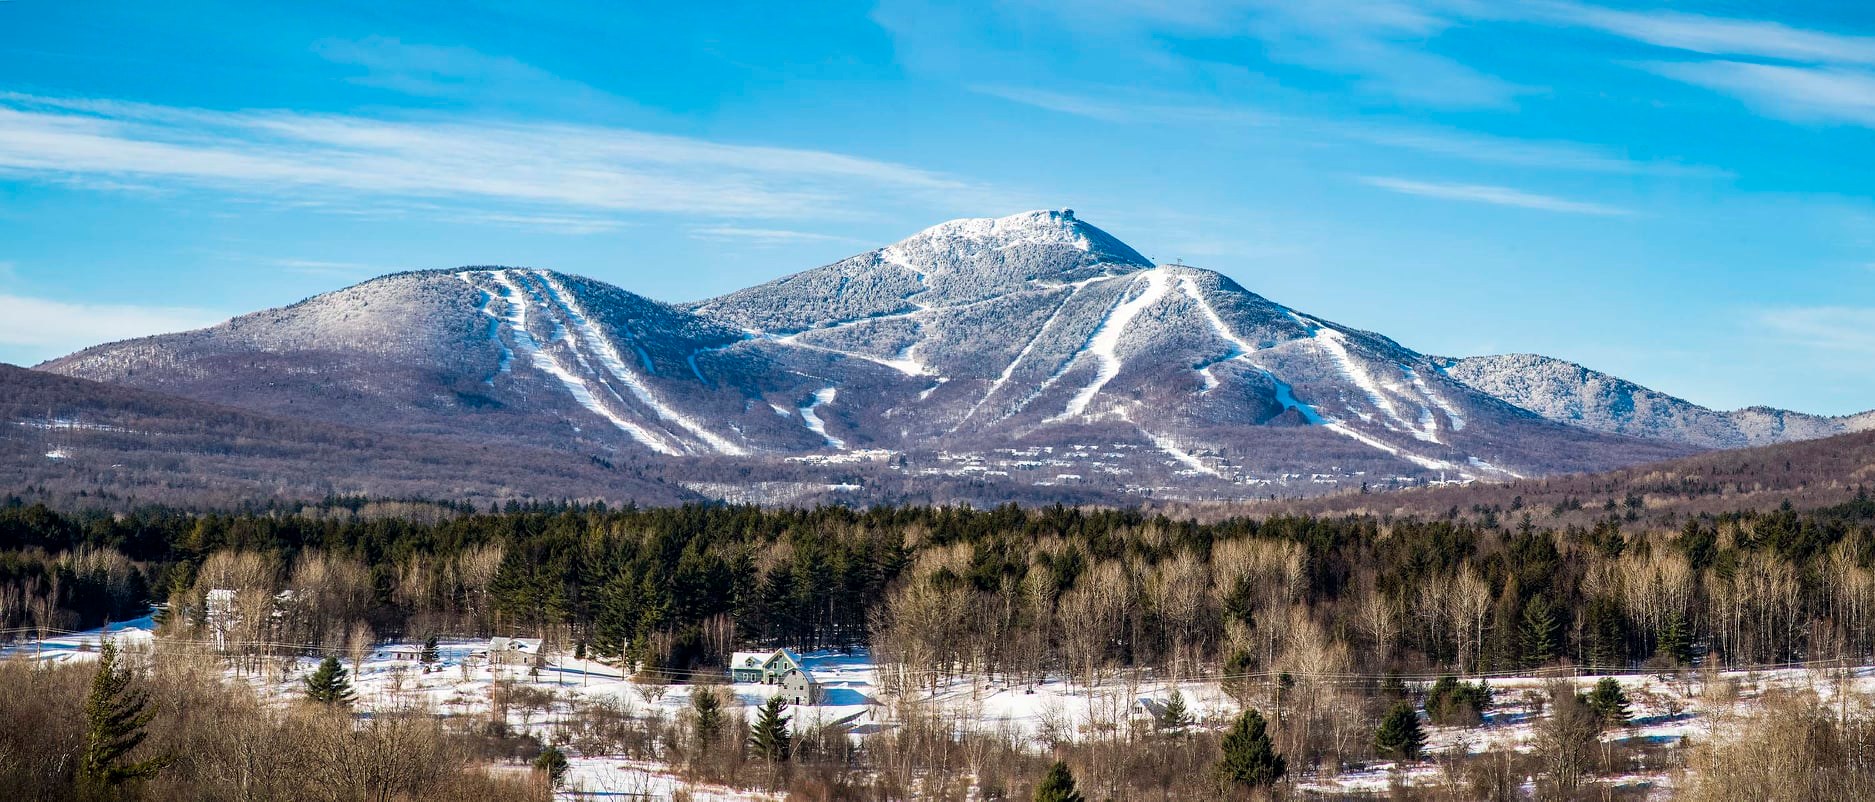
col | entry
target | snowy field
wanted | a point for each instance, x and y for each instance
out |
(1666, 708)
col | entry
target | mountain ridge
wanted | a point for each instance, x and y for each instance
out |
(1568, 392)
(1029, 354)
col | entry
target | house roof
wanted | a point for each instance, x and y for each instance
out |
(792, 660)
(749, 659)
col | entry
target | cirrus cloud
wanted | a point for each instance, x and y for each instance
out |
(517, 168)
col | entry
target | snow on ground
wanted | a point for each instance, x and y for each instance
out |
(83, 646)
(1666, 708)
(811, 416)
(1105, 344)
(516, 300)
(607, 353)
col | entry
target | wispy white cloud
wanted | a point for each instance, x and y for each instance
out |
(1783, 71)
(1119, 107)
(552, 168)
(315, 267)
(763, 236)
(1383, 48)
(39, 325)
(451, 72)
(1540, 154)
(1494, 195)
(1799, 94)
(1719, 36)
(1847, 329)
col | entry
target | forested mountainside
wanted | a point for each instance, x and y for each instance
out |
(1031, 358)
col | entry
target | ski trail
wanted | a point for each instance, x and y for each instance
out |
(1068, 362)
(1454, 417)
(1242, 346)
(1423, 462)
(1335, 343)
(1184, 457)
(1331, 341)
(506, 363)
(822, 398)
(1105, 344)
(516, 319)
(1010, 369)
(608, 355)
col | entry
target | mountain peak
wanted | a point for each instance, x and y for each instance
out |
(1040, 228)
(957, 262)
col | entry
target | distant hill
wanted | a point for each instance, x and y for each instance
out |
(1809, 474)
(81, 443)
(1566, 392)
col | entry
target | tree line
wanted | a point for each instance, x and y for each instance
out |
(1003, 591)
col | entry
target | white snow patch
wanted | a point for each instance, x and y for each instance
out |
(1184, 457)
(506, 365)
(1424, 462)
(608, 355)
(515, 316)
(1452, 414)
(810, 414)
(1105, 343)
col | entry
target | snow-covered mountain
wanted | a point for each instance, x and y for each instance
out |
(1570, 393)
(991, 358)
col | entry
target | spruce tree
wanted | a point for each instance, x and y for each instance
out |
(1058, 786)
(1538, 631)
(1175, 716)
(1675, 643)
(1610, 702)
(707, 707)
(1250, 759)
(431, 655)
(768, 736)
(552, 762)
(115, 715)
(1399, 735)
(329, 684)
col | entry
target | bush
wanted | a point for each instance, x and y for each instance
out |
(1451, 703)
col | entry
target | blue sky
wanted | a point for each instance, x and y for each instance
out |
(1678, 194)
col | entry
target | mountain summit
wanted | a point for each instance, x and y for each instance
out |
(1032, 356)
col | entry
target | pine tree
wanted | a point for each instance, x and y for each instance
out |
(1610, 702)
(768, 736)
(1399, 735)
(1250, 759)
(431, 655)
(1175, 716)
(707, 706)
(1675, 643)
(552, 762)
(1538, 631)
(1058, 786)
(115, 714)
(329, 684)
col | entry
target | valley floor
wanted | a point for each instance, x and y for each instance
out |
(544, 696)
